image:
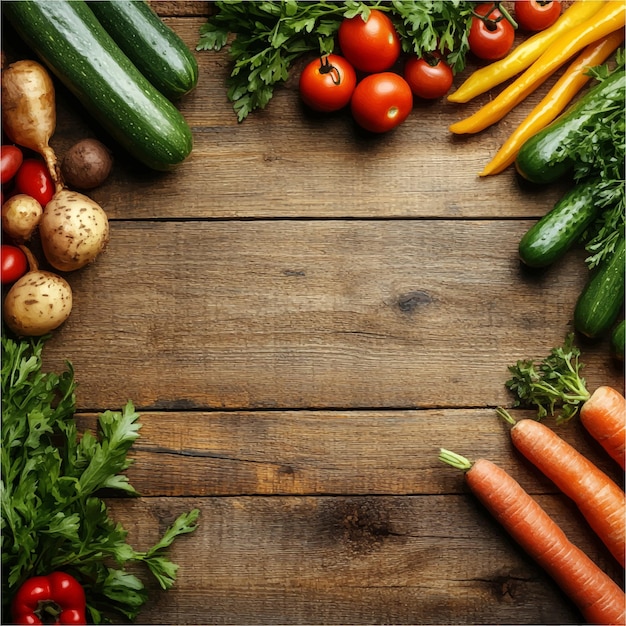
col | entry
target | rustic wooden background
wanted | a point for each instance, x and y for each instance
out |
(303, 315)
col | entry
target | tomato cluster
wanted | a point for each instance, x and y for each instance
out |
(362, 76)
(20, 175)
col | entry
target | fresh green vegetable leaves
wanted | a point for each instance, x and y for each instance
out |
(267, 37)
(554, 386)
(599, 154)
(52, 517)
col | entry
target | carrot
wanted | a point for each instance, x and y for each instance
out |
(600, 499)
(555, 387)
(599, 598)
(604, 417)
(553, 103)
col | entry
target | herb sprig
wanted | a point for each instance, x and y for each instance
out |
(52, 515)
(599, 155)
(267, 37)
(554, 385)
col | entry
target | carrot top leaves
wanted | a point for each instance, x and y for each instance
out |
(554, 385)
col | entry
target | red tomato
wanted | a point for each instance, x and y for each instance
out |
(381, 101)
(14, 263)
(535, 15)
(371, 46)
(10, 160)
(34, 180)
(326, 84)
(491, 35)
(429, 77)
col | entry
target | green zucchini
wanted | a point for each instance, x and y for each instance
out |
(545, 157)
(72, 43)
(559, 229)
(618, 341)
(157, 51)
(602, 298)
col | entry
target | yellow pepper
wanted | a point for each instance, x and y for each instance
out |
(563, 91)
(525, 54)
(609, 18)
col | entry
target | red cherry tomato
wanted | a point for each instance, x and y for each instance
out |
(326, 84)
(10, 160)
(14, 263)
(372, 45)
(491, 35)
(535, 15)
(381, 101)
(34, 180)
(429, 77)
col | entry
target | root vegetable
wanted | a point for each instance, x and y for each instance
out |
(29, 110)
(21, 215)
(87, 164)
(38, 303)
(74, 230)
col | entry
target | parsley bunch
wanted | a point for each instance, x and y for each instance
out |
(52, 516)
(599, 155)
(554, 385)
(266, 37)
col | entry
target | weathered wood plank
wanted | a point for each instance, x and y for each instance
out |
(296, 314)
(344, 560)
(329, 452)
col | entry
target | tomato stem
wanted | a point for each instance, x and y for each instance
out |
(326, 67)
(492, 23)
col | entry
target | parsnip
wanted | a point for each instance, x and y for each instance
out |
(29, 110)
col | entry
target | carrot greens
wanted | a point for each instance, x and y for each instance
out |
(554, 385)
(52, 515)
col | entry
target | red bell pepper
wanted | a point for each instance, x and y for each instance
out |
(57, 598)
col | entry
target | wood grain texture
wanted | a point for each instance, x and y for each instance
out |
(350, 560)
(297, 314)
(304, 314)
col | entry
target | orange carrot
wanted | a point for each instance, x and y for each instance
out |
(555, 386)
(600, 499)
(599, 597)
(604, 416)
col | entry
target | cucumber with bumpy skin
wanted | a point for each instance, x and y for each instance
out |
(602, 298)
(559, 229)
(76, 48)
(157, 51)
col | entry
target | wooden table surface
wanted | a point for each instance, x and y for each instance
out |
(303, 315)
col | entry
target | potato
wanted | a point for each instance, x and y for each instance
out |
(37, 303)
(21, 215)
(74, 230)
(87, 164)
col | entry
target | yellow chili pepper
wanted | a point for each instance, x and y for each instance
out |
(563, 91)
(526, 53)
(608, 19)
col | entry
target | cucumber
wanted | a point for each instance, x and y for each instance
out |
(602, 298)
(157, 51)
(618, 341)
(559, 229)
(544, 158)
(76, 48)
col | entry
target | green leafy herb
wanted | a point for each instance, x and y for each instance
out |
(52, 516)
(267, 37)
(554, 386)
(600, 155)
